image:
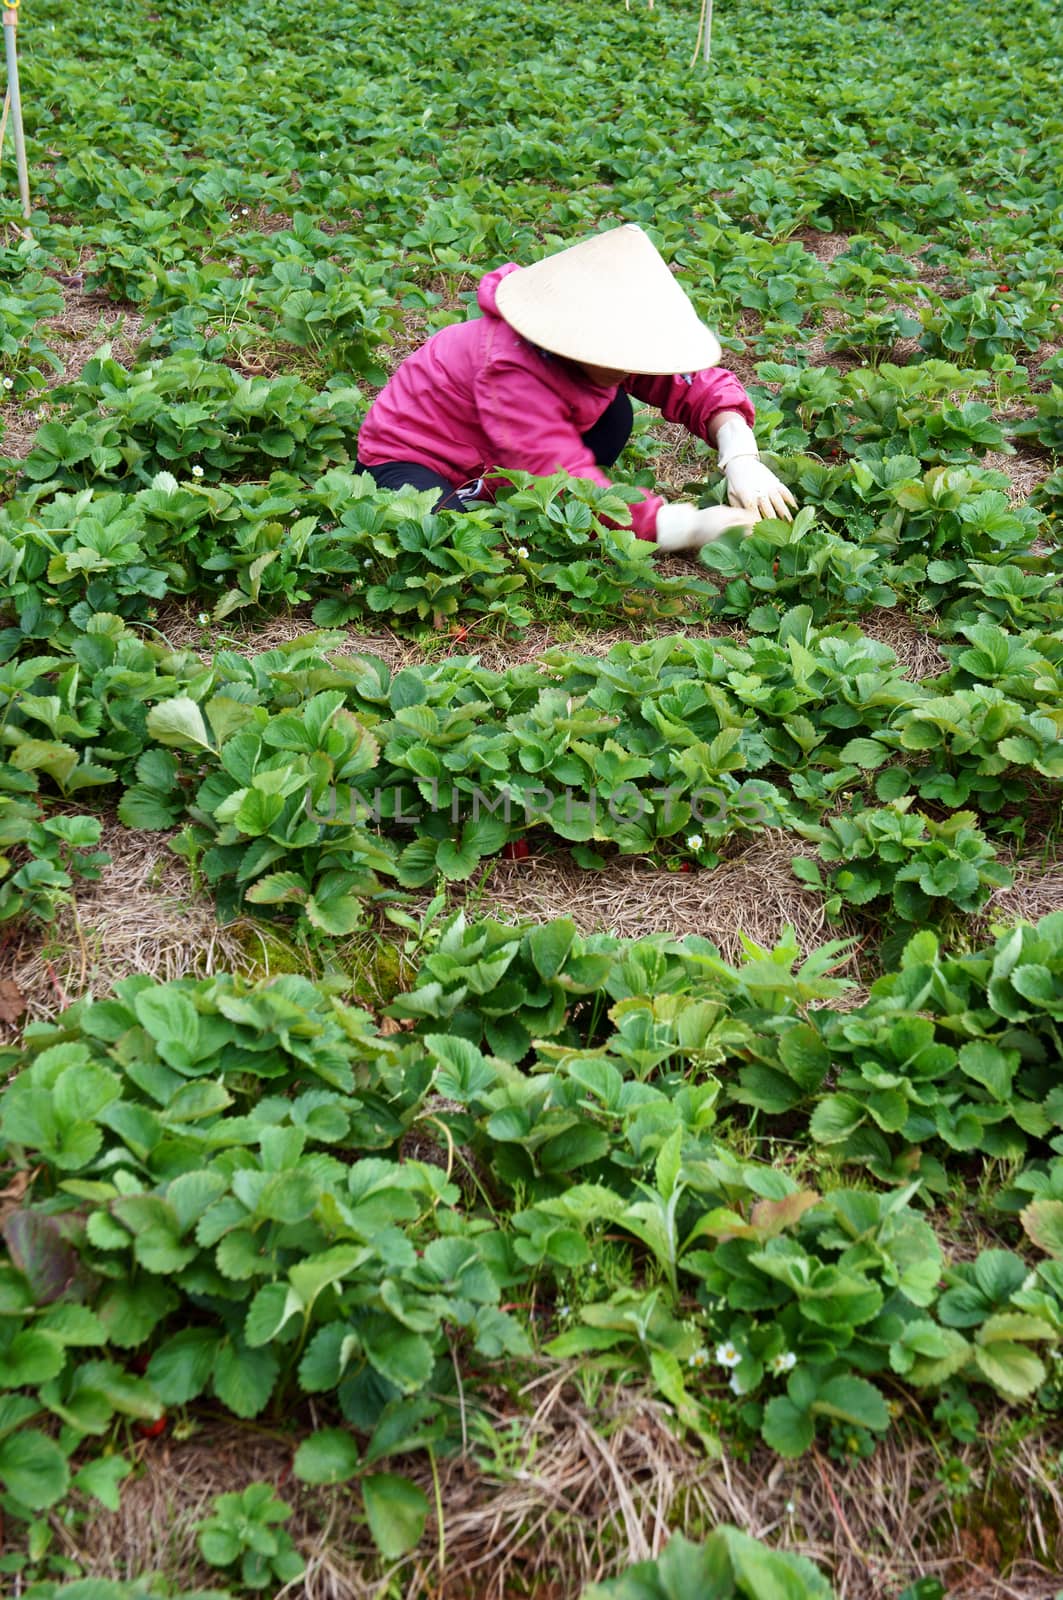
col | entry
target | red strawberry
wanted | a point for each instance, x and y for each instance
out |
(152, 1430)
(516, 850)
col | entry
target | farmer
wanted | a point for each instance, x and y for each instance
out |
(543, 381)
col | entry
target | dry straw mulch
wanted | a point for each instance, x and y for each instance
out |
(178, 627)
(1027, 470)
(915, 647)
(142, 915)
(1036, 892)
(563, 1489)
(753, 892)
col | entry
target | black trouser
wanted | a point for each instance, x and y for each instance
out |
(606, 438)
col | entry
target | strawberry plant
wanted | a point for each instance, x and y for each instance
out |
(184, 412)
(244, 1528)
(23, 306)
(59, 849)
(1047, 426)
(920, 865)
(782, 562)
(983, 324)
(729, 1564)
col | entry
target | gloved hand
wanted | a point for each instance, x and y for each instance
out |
(682, 527)
(749, 482)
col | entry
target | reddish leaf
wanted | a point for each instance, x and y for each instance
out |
(12, 1000)
(39, 1250)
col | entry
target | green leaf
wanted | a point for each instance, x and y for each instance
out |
(32, 1358)
(403, 1357)
(786, 1429)
(244, 1378)
(139, 808)
(864, 753)
(999, 1274)
(892, 784)
(807, 870)
(1036, 983)
(457, 860)
(130, 1312)
(179, 723)
(854, 1400)
(836, 1117)
(258, 811)
(550, 944)
(328, 1456)
(397, 1511)
(33, 1469)
(272, 1308)
(1013, 1369)
(171, 1019)
(1043, 1222)
(100, 1478)
(993, 1068)
(180, 1369)
(338, 915)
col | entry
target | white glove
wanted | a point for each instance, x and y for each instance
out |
(683, 527)
(749, 482)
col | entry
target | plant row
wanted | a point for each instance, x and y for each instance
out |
(224, 198)
(131, 498)
(309, 781)
(243, 1533)
(247, 1190)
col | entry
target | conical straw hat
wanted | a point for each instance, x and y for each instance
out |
(609, 301)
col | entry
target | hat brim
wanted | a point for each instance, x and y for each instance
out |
(609, 301)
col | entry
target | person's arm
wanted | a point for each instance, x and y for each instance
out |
(527, 429)
(749, 482)
(694, 399)
(714, 406)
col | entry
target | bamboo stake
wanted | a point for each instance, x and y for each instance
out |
(704, 39)
(10, 31)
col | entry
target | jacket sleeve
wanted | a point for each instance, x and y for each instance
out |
(693, 400)
(524, 422)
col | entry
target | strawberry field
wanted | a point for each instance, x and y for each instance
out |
(530, 1068)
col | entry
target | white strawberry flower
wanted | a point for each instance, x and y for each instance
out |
(727, 1355)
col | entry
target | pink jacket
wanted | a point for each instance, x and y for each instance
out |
(477, 396)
